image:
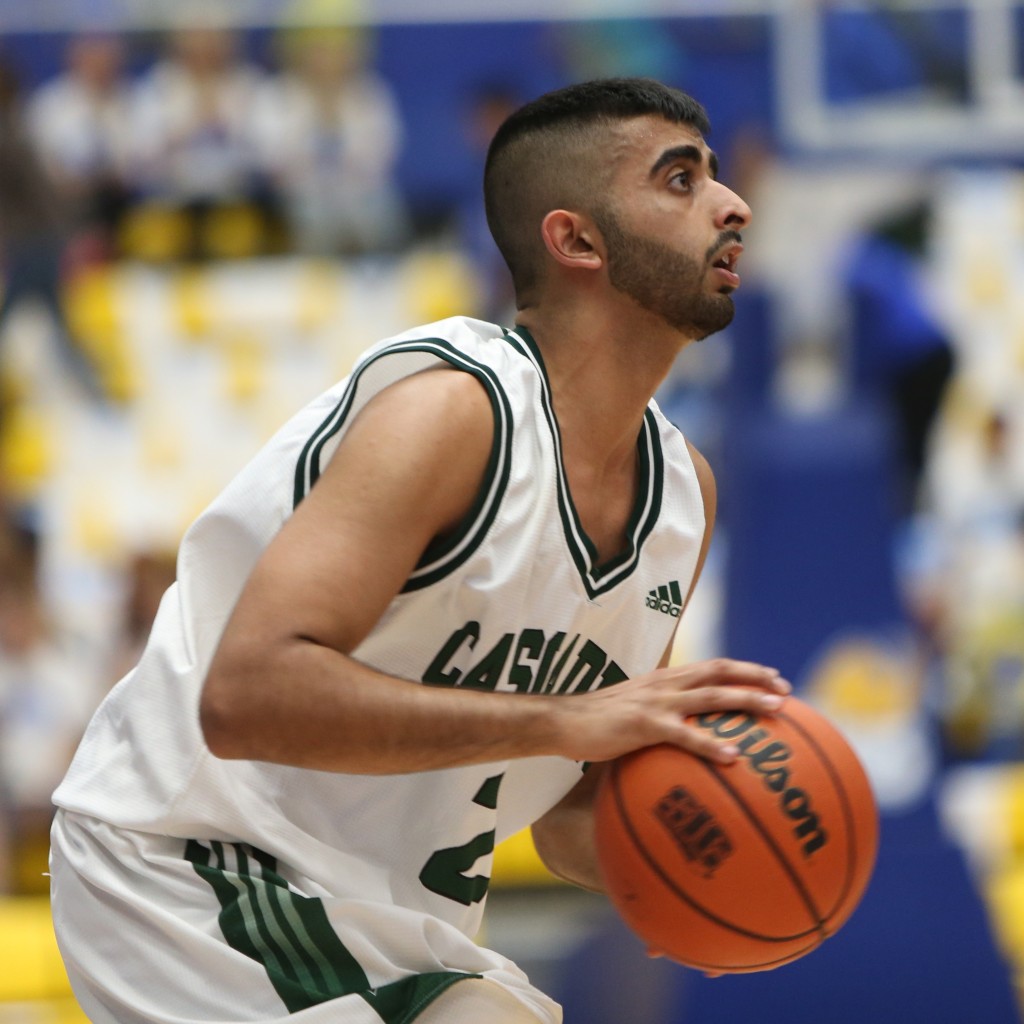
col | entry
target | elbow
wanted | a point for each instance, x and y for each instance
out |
(547, 842)
(225, 709)
(246, 709)
(218, 721)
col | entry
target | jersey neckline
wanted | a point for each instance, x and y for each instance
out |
(600, 578)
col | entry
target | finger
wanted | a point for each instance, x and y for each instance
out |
(728, 670)
(705, 699)
(701, 744)
(712, 699)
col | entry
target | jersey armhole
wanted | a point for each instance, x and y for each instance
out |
(443, 555)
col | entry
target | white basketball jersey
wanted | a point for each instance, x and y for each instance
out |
(513, 602)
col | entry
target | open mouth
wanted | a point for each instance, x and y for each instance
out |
(726, 264)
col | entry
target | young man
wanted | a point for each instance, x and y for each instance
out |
(405, 629)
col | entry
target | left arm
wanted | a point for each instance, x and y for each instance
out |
(564, 836)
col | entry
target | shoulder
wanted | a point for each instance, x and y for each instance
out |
(454, 331)
(414, 459)
(483, 349)
(450, 402)
(402, 378)
(423, 404)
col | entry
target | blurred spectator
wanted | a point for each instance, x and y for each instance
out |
(328, 133)
(33, 230)
(80, 123)
(149, 575)
(190, 119)
(901, 353)
(46, 698)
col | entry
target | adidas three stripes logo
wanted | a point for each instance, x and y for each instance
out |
(667, 598)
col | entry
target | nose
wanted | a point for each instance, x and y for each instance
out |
(733, 212)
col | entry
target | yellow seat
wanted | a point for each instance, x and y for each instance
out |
(517, 863)
(32, 967)
(155, 232)
(232, 232)
(26, 450)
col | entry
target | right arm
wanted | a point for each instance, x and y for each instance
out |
(283, 687)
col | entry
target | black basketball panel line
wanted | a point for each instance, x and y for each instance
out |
(845, 804)
(772, 845)
(671, 884)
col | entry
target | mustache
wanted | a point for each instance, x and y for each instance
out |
(725, 238)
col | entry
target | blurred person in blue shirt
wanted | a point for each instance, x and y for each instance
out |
(900, 351)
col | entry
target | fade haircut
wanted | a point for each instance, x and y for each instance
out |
(552, 154)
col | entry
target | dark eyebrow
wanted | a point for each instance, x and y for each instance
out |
(691, 153)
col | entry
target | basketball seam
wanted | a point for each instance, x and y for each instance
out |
(656, 868)
(780, 856)
(844, 800)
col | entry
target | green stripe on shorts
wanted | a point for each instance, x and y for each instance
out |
(290, 936)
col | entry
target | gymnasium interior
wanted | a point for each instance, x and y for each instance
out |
(186, 285)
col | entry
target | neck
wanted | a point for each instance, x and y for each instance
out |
(604, 365)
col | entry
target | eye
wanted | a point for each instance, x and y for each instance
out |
(681, 180)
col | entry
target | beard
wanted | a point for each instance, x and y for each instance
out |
(664, 281)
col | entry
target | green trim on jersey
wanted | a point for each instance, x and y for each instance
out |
(290, 936)
(600, 578)
(444, 556)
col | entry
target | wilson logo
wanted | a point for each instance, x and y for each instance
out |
(698, 835)
(667, 599)
(770, 759)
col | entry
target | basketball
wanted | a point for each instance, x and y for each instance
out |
(741, 867)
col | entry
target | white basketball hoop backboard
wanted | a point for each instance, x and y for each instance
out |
(987, 120)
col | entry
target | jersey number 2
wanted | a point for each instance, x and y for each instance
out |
(445, 871)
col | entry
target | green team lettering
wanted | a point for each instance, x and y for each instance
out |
(445, 871)
(588, 664)
(530, 646)
(468, 635)
(529, 662)
(486, 673)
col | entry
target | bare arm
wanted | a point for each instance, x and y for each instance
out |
(282, 686)
(564, 837)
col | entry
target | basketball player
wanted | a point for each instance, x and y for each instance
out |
(404, 631)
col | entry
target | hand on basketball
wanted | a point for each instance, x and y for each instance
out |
(738, 868)
(652, 708)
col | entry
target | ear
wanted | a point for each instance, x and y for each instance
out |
(572, 240)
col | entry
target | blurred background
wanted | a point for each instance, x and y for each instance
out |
(207, 210)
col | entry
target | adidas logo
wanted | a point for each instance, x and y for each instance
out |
(667, 599)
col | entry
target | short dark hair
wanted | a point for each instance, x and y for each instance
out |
(538, 158)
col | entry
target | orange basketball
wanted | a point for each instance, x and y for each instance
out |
(740, 867)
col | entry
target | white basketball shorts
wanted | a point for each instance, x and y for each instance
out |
(157, 930)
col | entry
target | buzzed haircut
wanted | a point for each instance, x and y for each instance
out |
(549, 154)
